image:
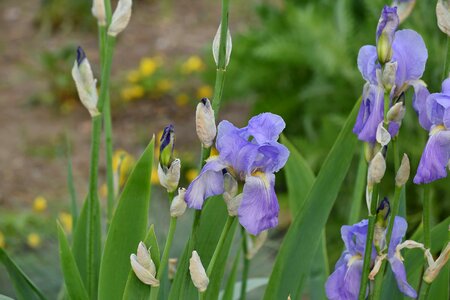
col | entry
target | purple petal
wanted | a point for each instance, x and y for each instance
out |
(434, 160)
(208, 183)
(388, 23)
(411, 55)
(265, 127)
(271, 158)
(335, 282)
(368, 63)
(438, 106)
(259, 208)
(393, 128)
(400, 275)
(421, 94)
(352, 279)
(354, 237)
(398, 232)
(370, 113)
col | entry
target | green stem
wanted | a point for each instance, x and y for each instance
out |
(246, 265)
(359, 189)
(426, 216)
(166, 251)
(369, 245)
(219, 246)
(424, 289)
(445, 71)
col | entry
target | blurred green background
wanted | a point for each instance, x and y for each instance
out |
(293, 58)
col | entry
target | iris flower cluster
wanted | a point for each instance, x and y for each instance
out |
(250, 156)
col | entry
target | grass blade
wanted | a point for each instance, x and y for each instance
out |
(127, 229)
(24, 287)
(74, 285)
(293, 263)
(229, 288)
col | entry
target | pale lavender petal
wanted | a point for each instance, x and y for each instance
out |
(411, 55)
(388, 23)
(335, 282)
(370, 114)
(434, 160)
(420, 96)
(208, 183)
(368, 63)
(259, 208)
(265, 127)
(228, 140)
(354, 237)
(271, 158)
(398, 232)
(393, 128)
(438, 106)
(400, 275)
(352, 280)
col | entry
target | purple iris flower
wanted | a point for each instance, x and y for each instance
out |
(251, 155)
(410, 55)
(344, 282)
(434, 115)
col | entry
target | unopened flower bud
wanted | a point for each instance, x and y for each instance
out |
(403, 172)
(120, 17)
(233, 205)
(382, 135)
(376, 170)
(98, 10)
(433, 270)
(143, 266)
(388, 76)
(172, 270)
(169, 177)
(178, 205)
(383, 211)
(205, 123)
(397, 112)
(387, 25)
(230, 187)
(216, 46)
(255, 243)
(198, 273)
(443, 16)
(85, 82)
(166, 146)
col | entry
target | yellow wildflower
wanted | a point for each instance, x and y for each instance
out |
(2, 240)
(193, 64)
(123, 163)
(133, 76)
(154, 179)
(33, 240)
(66, 221)
(191, 174)
(39, 204)
(182, 99)
(205, 91)
(103, 191)
(164, 85)
(132, 92)
(147, 66)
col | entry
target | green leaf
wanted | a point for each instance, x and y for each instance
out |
(74, 284)
(127, 229)
(212, 220)
(252, 284)
(24, 287)
(71, 186)
(358, 191)
(80, 246)
(319, 271)
(229, 288)
(293, 263)
(299, 177)
(135, 289)
(440, 288)
(3, 297)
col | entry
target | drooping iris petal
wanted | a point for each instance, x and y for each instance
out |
(420, 96)
(434, 160)
(271, 157)
(352, 279)
(354, 237)
(411, 55)
(229, 141)
(368, 63)
(259, 208)
(398, 232)
(388, 23)
(370, 113)
(400, 275)
(208, 183)
(265, 127)
(335, 282)
(438, 106)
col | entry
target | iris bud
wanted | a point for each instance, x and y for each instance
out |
(120, 18)
(376, 170)
(166, 146)
(443, 16)
(397, 112)
(388, 76)
(98, 10)
(85, 82)
(178, 205)
(143, 266)
(387, 25)
(205, 123)
(169, 177)
(216, 45)
(383, 136)
(403, 172)
(255, 243)
(198, 273)
(383, 211)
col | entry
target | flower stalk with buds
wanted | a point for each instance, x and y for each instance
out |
(143, 266)
(168, 167)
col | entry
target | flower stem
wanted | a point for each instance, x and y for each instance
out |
(166, 251)
(225, 232)
(359, 189)
(426, 216)
(246, 264)
(424, 289)
(445, 71)
(369, 246)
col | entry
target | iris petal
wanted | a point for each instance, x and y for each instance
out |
(368, 63)
(400, 275)
(265, 127)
